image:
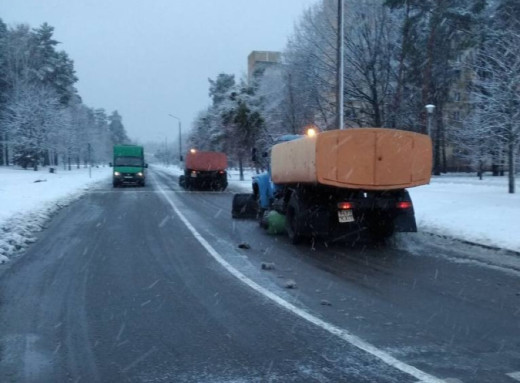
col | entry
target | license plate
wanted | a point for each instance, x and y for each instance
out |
(129, 177)
(345, 216)
(194, 175)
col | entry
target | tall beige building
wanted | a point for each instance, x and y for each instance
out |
(258, 61)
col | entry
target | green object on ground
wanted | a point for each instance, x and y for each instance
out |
(275, 223)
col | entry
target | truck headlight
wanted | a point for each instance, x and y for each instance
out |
(140, 174)
(117, 174)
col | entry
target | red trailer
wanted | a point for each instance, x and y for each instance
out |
(204, 170)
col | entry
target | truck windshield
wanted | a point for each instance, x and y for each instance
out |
(128, 161)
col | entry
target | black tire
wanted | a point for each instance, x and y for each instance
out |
(142, 184)
(115, 184)
(182, 181)
(292, 224)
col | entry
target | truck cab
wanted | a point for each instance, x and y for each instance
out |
(204, 170)
(263, 186)
(128, 165)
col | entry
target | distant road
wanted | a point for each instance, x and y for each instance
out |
(149, 285)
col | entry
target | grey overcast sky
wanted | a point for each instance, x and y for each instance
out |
(151, 58)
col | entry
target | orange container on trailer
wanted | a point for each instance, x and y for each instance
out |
(361, 158)
(206, 161)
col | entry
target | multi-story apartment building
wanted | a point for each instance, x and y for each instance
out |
(258, 61)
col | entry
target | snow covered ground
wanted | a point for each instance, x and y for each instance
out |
(466, 208)
(29, 198)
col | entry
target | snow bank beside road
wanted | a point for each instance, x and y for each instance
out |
(29, 198)
(467, 208)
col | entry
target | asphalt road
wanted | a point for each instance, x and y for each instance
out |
(149, 285)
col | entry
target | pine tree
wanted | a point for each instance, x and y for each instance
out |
(117, 129)
(50, 67)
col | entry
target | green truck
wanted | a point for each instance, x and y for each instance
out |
(128, 165)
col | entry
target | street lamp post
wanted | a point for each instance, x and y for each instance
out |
(180, 136)
(339, 70)
(429, 109)
(436, 144)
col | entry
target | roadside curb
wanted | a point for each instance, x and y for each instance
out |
(481, 245)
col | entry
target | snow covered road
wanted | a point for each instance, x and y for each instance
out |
(121, 289)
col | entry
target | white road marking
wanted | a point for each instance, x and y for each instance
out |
(153, 284)
(121, 329)
(163, 222)
(335, 330)
(140, 359)
(514, 375)
(447, 380)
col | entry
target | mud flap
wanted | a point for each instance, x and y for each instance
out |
(244, 206)
(405, 223)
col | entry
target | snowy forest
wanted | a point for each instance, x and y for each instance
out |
(462, 56)
(43, 121)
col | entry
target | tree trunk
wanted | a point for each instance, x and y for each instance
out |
(502, 164)
(46, 158)
(437, 145)
(443, 148)
(292, 107)
(480, 170)
(241, 167)
(495, 164)
(396, 114)
(511, 164)
(2, 150)
(6, 150)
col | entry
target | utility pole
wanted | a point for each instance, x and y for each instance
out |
(180, 136)
(339, 71)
